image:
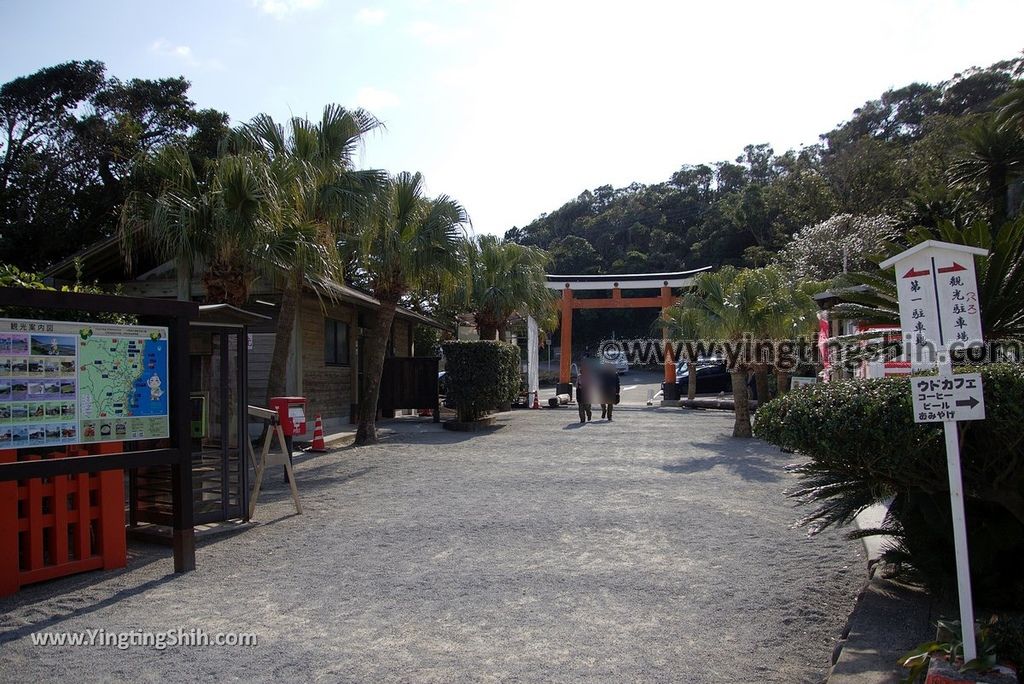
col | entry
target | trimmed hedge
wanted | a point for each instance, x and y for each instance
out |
(482, 376)
(864, 447)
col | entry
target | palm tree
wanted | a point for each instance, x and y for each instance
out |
(503, 278)
(1011, 112)
(785, 312)
(995, 156)
(727, 307)
(682, 323)
(407, 242)
(218, 218)
(318, 192)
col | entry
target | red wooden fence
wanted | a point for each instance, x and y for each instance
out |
(61, 525)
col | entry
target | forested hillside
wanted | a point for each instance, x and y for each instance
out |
(69, 135)
(914, 155)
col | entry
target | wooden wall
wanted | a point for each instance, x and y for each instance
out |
(259, 366)
(401, 332)
(328, 388)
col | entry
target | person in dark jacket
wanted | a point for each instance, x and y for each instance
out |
(608, 381)
(584, 392)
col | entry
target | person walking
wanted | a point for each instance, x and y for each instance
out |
(609, 390)
(584, 392)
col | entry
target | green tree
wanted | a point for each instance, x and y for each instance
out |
(501, 279)
(682, 324)
(407, 242)
(69, 138)
(574, 255)
(1011, 107)
(318, 194)
(995, 157)
(727, 305)
(785, 312)
(217, 218)
(41, 164)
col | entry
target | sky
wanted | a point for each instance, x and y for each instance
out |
(515, 107)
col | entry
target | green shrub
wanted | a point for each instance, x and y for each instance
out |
(864, 447)
(482, 376)
(11, 276)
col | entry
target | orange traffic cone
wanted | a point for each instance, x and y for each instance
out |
(536, 399)
(318, 436)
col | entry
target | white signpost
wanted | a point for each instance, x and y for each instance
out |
(939, 312)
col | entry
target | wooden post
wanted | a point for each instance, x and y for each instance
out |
(9, 565)
(112, 536)
(241, 406)
(183, 534)
(566, 360)
(113, 541)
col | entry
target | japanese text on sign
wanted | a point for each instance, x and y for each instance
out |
(948, 398)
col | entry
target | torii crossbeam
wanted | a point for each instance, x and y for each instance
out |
(663, 282)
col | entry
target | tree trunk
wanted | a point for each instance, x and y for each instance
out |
(761, 382)
(380, 331)
(184, 274)
(487, 331)
(997, 199)
(291, 295)
(226, 283)
(784, 379)
(691, 380)
(741, 428)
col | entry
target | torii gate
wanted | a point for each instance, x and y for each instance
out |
(664, 282)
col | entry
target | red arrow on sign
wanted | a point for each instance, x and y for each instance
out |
(916, 274)
(953, 269)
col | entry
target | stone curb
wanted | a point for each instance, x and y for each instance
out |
(887, 619)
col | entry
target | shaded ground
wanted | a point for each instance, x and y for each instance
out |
(651, 548)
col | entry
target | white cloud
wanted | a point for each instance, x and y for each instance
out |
(282, 8)
(371, 16)
(376, 99)
(165, 48)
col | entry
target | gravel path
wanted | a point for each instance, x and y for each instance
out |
(653, 548)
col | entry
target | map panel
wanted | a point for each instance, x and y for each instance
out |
(69, 383)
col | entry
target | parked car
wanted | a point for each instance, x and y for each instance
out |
(616, 358)
(712, 377)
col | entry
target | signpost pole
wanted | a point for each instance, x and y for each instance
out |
(963, 572)
(956, 502)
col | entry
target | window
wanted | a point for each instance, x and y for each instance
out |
(335, 342)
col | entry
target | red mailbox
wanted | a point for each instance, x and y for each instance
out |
(291, 412)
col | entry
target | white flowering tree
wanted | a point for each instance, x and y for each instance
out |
(843, 243)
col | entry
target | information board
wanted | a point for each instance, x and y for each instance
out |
(77, 383)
